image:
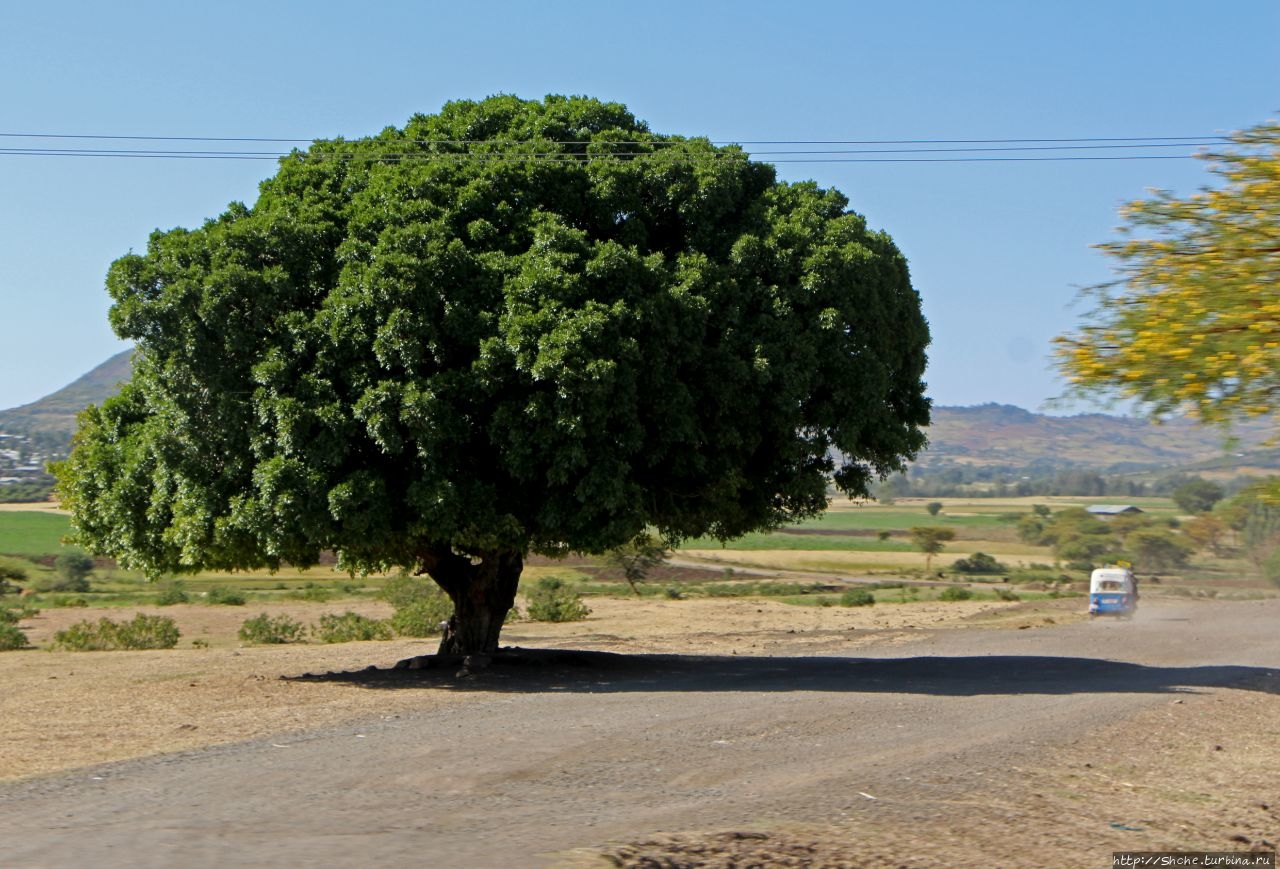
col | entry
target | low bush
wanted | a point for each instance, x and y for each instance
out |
(553, 601)
(857, 597)
(10, 615)
(11, 573)
(405, 589)
(955, 592)
(980, 562)
(65, 600)
(224, 595)
(60, 583)
(265, 630)
(350, 627)
(143, 632)
(172, 593)
(422, 618)
(11, 637)
(1007, 595)
(312, 592)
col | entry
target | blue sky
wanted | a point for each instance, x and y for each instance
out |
(997, 249)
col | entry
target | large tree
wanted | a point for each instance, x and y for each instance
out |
(1192, 321)
(512, 327)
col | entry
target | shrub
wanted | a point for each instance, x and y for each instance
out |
(172, 593)
(552, 601)
(10, 573)
(265, 630)
(422, 618)
(62, 600)
(11, 637)
(61, 583)
(1006, 594)
(857, 597)
(143, 632)
(74, 568)
(420, 604)
(404, 589)
(934, 507)
(350, 628)
(312, 592)
(979, 562)
(673, 592)
(225, 595)
(955, 592)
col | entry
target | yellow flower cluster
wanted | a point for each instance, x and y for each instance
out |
(1193, 322)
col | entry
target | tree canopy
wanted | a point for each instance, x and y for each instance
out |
(1198, 495)
(510, 327)
(1193, 321)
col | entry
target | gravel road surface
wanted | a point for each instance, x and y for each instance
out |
(569, 750)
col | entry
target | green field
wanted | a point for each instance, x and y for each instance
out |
(32, 534)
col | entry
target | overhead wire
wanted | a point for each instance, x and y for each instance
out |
(777, 150)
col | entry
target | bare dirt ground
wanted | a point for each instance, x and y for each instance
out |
(62, 710)
(680, 733)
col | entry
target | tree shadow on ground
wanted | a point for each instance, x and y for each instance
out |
(560, 670)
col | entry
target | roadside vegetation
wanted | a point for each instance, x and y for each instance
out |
(913, 551)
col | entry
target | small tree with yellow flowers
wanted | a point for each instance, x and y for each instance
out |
(1192, 322)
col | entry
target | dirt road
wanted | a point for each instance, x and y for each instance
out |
(915, 753)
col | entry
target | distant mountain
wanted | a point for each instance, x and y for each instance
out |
(997, 435)
(55, 414)
(1000, 434)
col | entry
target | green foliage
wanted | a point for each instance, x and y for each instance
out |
(1006, 594)
(420, 605)
(442, 347)
(405, 589)
(934, 507)
(10, 572)
(1198, 495)
(59, 583)
(931, 540)
(172, 593)
(981, 563)
(225, 595)
(312, 592)
(268, 630)
(1078, 537)
(143, 632)
(1154, 550)
(12, 637)
(857, 597)
(637, 557)
(350, 627)
(1032, 528)
(422, 618)
(955, 592)
(74, 568)
(553, 601)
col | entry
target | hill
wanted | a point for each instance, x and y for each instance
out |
(987, 442)
(56, 413)
(1002, 435)
(35, 434)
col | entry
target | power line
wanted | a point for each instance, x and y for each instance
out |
(567, 159)
(780, 151)
(1214, 138)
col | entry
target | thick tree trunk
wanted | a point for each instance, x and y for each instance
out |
(483, 591)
